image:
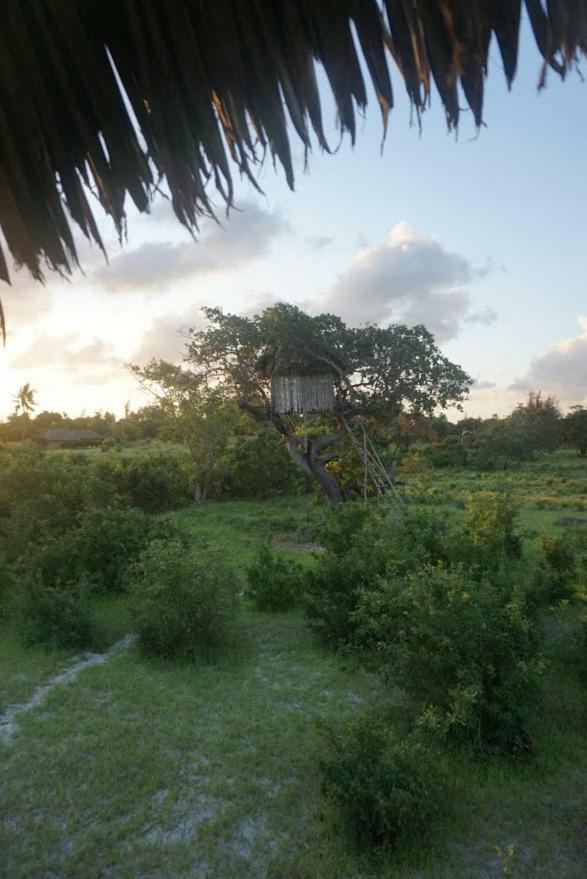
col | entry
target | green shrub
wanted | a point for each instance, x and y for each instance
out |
(258, 467)
(338, 528)
(491, 522)
(556, 575)
(55, 616)
(487, 542)
(386, 790)
(182, 603)
(449, 453)
(465, 652)
(364, 545)
(157, 483)
(104, 544)
(275, 581)
(46, 485)
(6, 586)
(332, 593)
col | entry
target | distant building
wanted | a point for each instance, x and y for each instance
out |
(57, 438)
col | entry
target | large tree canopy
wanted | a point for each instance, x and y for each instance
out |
(377, 373)
(106, 97)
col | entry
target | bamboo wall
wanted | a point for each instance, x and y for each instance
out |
(302, 393)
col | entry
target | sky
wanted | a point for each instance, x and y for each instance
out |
(480, 236)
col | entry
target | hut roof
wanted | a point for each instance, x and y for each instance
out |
(76, 435)
(106, 98)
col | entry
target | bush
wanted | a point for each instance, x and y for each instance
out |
(365, 544)
(6, 586)
(275, 581)
(464, 651)
(258, 467)
(340, 526)
(487, 543)
(387, 791)
(449, 453)
(182, 603)
(104, 544)
(491, 519)
(157, 483)
(55, 616)
(332, 593)
(555, 578)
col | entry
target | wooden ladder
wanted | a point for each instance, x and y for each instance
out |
(375, 469)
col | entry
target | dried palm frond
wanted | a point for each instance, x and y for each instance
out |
(108, 97)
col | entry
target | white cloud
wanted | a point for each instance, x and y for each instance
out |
(485, 317)
(483, 385)
(561, 371)
(152, 267)
(319, 242)
(165, 338)
(25, 300)
(410, 278)
(90, 363)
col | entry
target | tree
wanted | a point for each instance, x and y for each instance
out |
(48, 420)
(377, 373)
(540, 417)
(574, 429)
(24, 402)
(197, 414)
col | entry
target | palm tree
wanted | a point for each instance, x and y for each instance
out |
(24, 402)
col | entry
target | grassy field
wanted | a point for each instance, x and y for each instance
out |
(551, 491)
(144, 769)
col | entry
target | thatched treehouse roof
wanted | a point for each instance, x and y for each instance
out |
(210, 84)
(297, 360)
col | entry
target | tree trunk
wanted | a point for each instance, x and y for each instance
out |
(310, 464)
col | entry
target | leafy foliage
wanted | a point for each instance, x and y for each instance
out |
(198, 415)
(376, 372)
(258, 467)
(275, 581)
(488, 537)
(533, 427)
(100, 549)
(183, 603)
(6, 586)
(466, 652)
(574, 429)
(363, 544)
(56, 616)
(156, 483)
(556, 577)
(387, 790)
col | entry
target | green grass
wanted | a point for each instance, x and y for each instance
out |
(551, 492)
(146, 769)
(23, 669)
(164, 770)
(237, 529)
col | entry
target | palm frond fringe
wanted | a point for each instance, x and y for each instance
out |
(101, 99)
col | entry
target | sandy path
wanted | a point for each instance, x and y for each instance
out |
(8, 718)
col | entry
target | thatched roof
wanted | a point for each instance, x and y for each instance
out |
(213, 84)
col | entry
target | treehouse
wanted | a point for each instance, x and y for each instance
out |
(301, 382)
(302, 393)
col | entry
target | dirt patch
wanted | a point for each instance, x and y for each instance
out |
(290, 542)
(185, 819)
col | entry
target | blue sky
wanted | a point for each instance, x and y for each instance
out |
(489, 246)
